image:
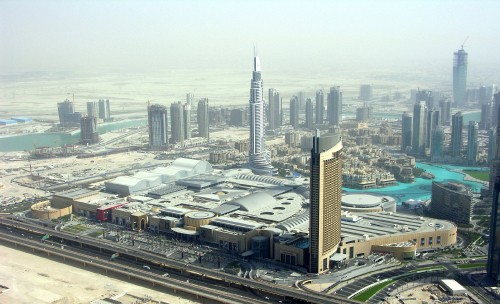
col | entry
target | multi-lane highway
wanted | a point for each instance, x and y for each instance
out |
(83, 249)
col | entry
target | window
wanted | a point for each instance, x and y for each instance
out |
(438, 239)
(430, 240)
(422, 241)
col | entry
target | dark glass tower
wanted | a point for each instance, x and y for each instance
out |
(493, 265)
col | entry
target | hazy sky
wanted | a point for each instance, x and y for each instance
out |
(139, 36)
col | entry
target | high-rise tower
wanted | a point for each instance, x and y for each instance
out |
(437, 144)
(309, 113)
(88, 130)
(445, 111)
(157, 126)
(176, 123)
(334, 108)
(493, 265)
(432, 123)
(294, 111)
(406, 132)
(320, 107)
(259, 157)
(275, 110)
(457, 124)
(472, 146)
(104, 111)
(92, 109)
(325, 200)
(418, 138)
(202, 117)
(459, 77)
(186, 113)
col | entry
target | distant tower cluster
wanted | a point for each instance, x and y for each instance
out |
(259, 157)
(275, 110)
(325, 200)
(158, 127)
(459, 77)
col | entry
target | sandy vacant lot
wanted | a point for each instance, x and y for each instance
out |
(34, 279)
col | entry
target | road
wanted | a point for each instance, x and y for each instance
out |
(286, 293)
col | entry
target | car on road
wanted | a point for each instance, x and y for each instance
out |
(146, 267)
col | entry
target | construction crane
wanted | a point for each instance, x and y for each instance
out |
(463, 43)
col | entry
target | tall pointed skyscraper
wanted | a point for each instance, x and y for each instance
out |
(459, 77)
(259, 157)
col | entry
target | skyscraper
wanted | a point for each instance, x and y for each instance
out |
(104, 111)
(431, 124)
(176, 123)
(492, 144)
(365, 92)
(445, 111)
(92, 109)
(309, 113)
(459, 77)
(418, 137)
(88, 130)
(437, 144)
(294, 111)
(157, 127)
(259, 157)
(325, 200)
(472, 146)
(67, 115)
(457, 125)
(406, 132)
(275, 110)
(493, 266)
(364, 113)
(202, 117)
(320, 107)
(186, 112)
(486, 115)
(495, 162)
(334, 109)
(426, 95)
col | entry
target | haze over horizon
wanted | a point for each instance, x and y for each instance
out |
(152, 36)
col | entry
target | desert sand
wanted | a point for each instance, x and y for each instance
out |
(34, 279)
